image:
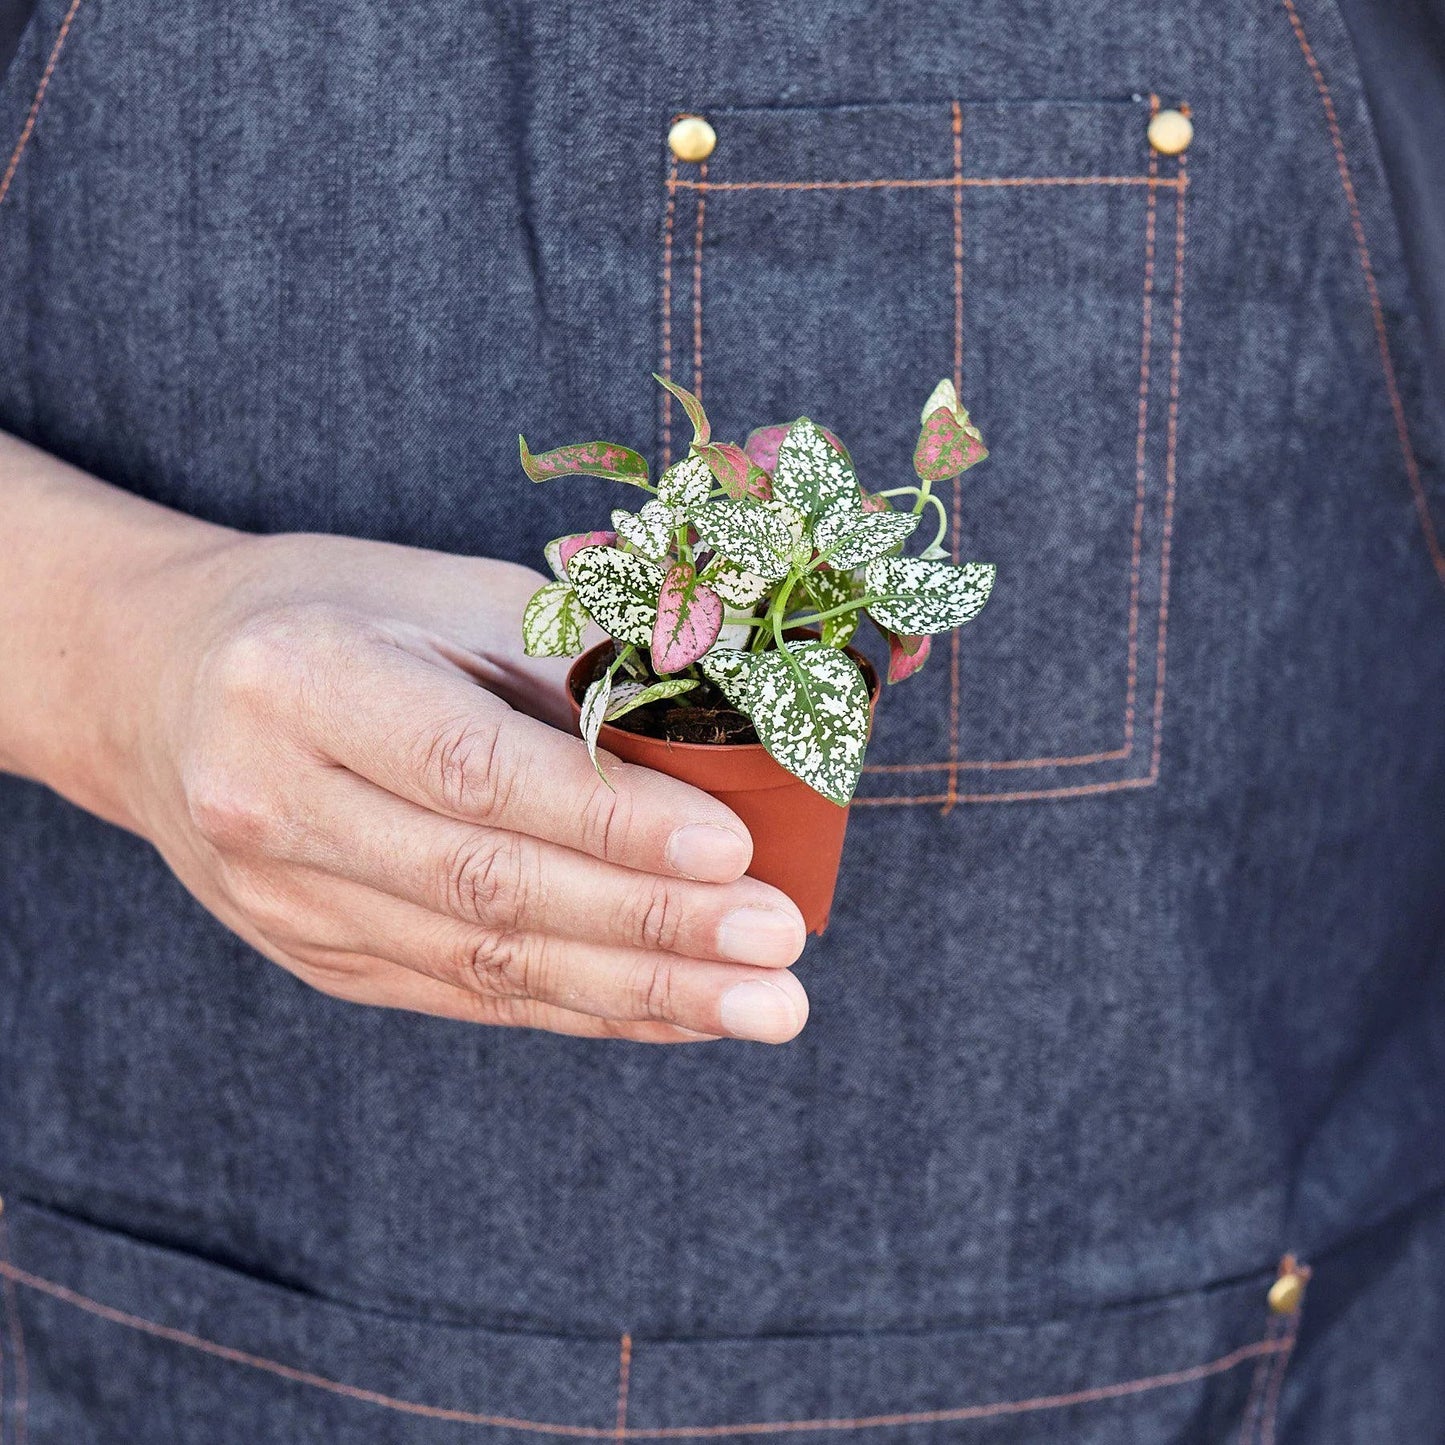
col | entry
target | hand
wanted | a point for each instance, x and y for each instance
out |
(340, 749)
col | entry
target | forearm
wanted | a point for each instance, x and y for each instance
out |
(72, 551)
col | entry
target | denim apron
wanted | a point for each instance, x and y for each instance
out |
(1134, 981)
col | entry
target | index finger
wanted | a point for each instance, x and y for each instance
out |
(436, 738)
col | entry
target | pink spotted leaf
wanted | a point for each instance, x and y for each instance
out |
(592, 459)
(906, 654)
(701, 427)
(946, 446)
(689, 618)
(560, 550)
(739, 475)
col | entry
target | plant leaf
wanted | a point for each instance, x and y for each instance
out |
(629, 695)
(594, 709)
(906, 655)
(554, 622)
(560, 549)
(754, 537)
(809, 705)
(852, 538)
(736, 587)
(813, 475)
(763, 443)
(701, 429)
(649, 530)
(946, 446)
(827, 589)
(926, 596)
(689, 618)
(593, 459)
(619, 589)
(729, 669)
(738, 473)
(685, 484)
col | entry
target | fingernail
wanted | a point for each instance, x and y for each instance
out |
(708, 853)
(761, 1011)
(759, 935)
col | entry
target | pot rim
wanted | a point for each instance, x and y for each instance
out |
(865, 665)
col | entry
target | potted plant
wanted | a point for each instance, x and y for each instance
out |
(729, 598)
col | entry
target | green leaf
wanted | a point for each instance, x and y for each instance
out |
(851, 538)
(701, 429)
(729, 669)
(812, 475)
(594, 710)
(650, 530)
(754, 537)
(809, 705)
(629, 695)
(685, 484)
(593, 459)
(554, 622)
(735, 585)
(827, 589)
(926, 596)
(620, 590)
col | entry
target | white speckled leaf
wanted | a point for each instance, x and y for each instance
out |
(749, 534)
(554, 622)
(736, 586)
(685, 484)
(927, 596)
(594, 710)
(649, 530)
(827, 589)
(851, 538)
(729, 670)
(810, 709)
(812, 475)
(629, 695)
(620, 590)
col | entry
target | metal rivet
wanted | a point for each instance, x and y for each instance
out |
(1170, 132)
(1287, 1293)
(691, 138)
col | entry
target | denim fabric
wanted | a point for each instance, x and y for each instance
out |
(1134, 980)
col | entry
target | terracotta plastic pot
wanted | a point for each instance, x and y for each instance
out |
(797, 833)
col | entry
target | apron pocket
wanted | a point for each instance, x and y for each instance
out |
(110, 1338)
(839, 260)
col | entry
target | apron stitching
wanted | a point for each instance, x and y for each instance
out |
(667, 237)
(934, 183)
(1257, 1389)
(624, 1371)
(1081, 790)
(1141, 469)
(28, 129)
(1121, 1390)
(1276, 1384)
(1367, 268)
(955, 522)
(1170, 472)
(697, 285)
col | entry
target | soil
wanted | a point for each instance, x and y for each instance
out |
(703, 715)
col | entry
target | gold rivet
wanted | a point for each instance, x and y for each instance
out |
(1287, 1293)
(691, 138)
(1170, 132)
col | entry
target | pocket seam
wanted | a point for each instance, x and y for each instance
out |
(952, 766)
(1275, 1347)
(28, 129)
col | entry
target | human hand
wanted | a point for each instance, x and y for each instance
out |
(329, 742)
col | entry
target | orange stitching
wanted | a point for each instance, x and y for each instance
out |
(1276, 1384)
(1141, 452)
(1080, 790)
(21, 1408)
(624, 1369)
(697, 291)
(1120, 1390)
(999, 765)
(930, 182)
(29, 127)
(1258, 1386)
(1382, 335)
(955, 524)
(1170, 473)
(667, 312)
